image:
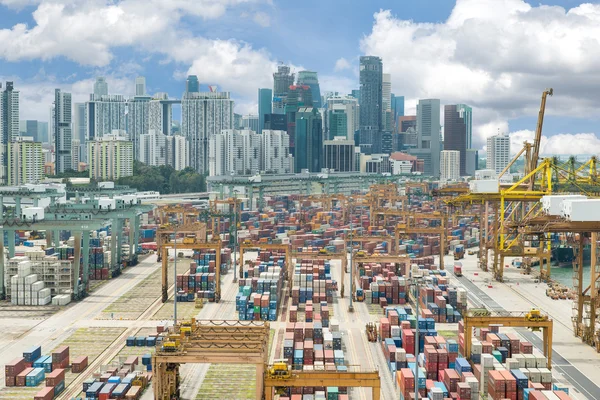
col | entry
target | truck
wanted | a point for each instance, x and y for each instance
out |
(459, 252)
(458, 269)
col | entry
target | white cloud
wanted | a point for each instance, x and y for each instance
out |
(88, 31)
(560, 144)
(497, 56)
(262, 19)
(341, 64)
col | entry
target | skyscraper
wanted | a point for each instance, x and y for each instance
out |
(178, 152)
(138, 117)
(337, 121)
(428, 136)
(160, 113)
(250, 122)
(386, 102)
(265, 106)
(104, 114)
(310, 79)
(457, 131)
(203, 115)
(62, 131)
(498, 152)
(282, 80)
(371, 96)
(79, 122)
(397, 108)
(449, 165)
(350, 106)
(309, 140)
(140, 86)
(298, 96)
(192, 85)
(9, 122)
(101, 86)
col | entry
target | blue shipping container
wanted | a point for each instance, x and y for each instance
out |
(32, 354)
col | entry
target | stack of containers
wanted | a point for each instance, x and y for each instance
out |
(259, 292)
(27, 289)
(79, 364)
(60, 358)
(312, 281)
(317, 313)
(405, 380)
(97, 263)
(12, 369)
(35, 377)
(309, 347)
(436, 301)
(56, 380)
(382, 285)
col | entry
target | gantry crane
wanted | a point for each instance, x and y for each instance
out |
(538, 136)
(529, 319)
(360, 259)
(215, 245)
(392, 243)
(164, 232)
(413, 225)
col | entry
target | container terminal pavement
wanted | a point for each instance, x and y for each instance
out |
(377, 295)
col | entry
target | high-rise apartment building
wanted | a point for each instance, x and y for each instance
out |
(449, 165)
(9, 123)
(428, 136)
(457, 131)
(309, 140)
(160, 113)
(62, 131)
(265, 107)
(386, 102)
(75, 154)
(275, 152)
(235, 153)
(178, 152)
(25, 161)
(110, 157)
(104, 114)
(153, 148)
(310, 79)
(101, 87)
(498, 152)
(338, 155)
(350, 104)
(140, 86)
(371, 96)
(138, 118)
(203, 115)
(192, 85)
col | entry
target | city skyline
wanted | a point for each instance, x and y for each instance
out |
(500, 99)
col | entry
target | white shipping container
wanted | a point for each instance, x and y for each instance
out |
(37, 286)
(581, 210)
(530, 361)
(545, 375)
(33, 213)
(42, 301)
(487, 360)
(535, 375)
(552, 204)
(550, 395)
(484, 186)
(520, 358)
(106, 204)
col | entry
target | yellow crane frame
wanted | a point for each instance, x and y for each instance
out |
(214, 245)
(372, 238)
(325, 378)
(164, 232)
(509, 319)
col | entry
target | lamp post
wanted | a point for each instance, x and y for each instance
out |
(235, 205)
(174, 276)
(416, 284)
(351, 306)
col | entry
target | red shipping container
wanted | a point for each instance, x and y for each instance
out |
(10, 381)
(510, 381)
(20, 381)
(536, 395)
(46, 393)
(496, 381)
(79, 364)
(55, 377)
(526, 348)
(14, 367)
(464, 390)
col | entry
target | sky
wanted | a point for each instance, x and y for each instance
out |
(497, 56)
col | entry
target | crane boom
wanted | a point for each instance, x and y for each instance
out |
(538, 135)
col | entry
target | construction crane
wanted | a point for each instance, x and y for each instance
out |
(538, 136)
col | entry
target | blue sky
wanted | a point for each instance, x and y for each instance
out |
(479, 52)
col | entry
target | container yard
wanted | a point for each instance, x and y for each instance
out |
(307, 298)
